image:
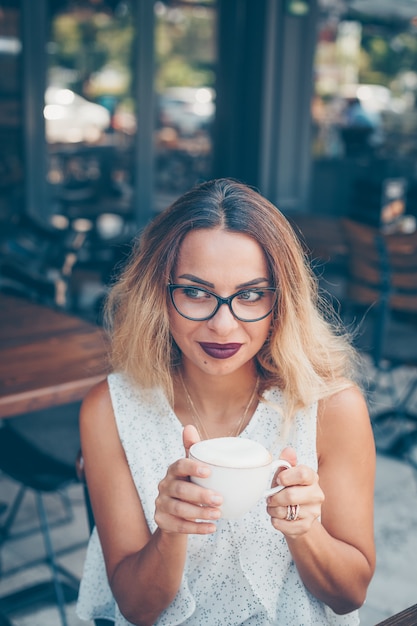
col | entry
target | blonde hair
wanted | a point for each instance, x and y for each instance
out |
(306, 354)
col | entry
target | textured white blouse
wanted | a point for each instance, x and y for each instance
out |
(242, 574)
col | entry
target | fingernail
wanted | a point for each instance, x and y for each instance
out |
(216, 500)
(203, 471)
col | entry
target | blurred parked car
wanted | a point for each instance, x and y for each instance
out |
(188, 110)
(70, 118)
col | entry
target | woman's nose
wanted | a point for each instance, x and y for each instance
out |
(223, 321)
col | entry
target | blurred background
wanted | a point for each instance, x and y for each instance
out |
(110, 109)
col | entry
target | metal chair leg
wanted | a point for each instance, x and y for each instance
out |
(51, 558)
(11, 514)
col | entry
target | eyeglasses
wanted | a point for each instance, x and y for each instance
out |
(199, 304)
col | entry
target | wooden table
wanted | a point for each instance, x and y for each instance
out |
(47, 357)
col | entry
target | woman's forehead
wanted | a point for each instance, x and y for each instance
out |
(219, 252)
(207, 241)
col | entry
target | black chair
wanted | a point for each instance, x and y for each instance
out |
(381, 306)
(24, 458)
(37, 260)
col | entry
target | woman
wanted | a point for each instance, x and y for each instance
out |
(217, 330)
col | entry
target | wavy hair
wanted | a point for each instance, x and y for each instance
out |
(307, 355)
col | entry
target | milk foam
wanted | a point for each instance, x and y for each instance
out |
(231, 452)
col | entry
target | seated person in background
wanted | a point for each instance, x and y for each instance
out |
(218, 304)
(361, 129)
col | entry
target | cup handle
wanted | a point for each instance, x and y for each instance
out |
(275, 466)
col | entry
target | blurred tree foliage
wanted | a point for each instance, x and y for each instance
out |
(91, 49)
(387, 50)
(185, 46)
(84, 43)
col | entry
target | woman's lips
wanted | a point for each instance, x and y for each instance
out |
(220, 350)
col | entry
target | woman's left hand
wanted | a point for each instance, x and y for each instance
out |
(296, 508)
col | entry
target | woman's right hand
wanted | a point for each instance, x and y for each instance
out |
(180, 503)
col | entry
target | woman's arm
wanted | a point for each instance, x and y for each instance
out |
(335, 557)
(144, 569)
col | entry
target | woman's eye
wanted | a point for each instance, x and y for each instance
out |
(194, 293)
(250, 296)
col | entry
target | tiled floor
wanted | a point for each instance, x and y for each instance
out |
(17, 551)
(394, 586)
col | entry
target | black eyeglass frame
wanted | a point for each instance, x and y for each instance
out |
(220, 301)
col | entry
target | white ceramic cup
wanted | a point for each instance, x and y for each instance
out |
(240, 470)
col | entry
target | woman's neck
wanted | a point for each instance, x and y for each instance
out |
(217, 406)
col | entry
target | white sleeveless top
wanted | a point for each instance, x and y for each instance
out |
(242, 574)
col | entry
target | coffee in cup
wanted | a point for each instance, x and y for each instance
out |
(240, 470)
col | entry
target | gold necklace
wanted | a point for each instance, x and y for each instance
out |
(197, 419)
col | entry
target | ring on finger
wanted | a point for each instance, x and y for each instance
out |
(292, 512)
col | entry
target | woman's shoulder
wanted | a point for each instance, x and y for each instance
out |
(343, 421)
(100, 401)
(97, 403)
(346, 403)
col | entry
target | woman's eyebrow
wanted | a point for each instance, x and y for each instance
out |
(195, 279)
(254, 282)
(200, 281)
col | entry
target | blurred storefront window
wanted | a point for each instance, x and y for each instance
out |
(185, 47)
(90, 113)
(364, 109)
